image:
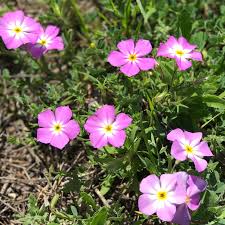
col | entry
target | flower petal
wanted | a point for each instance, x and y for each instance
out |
(197, 183)
(117, 139)
(98, 140)
(176, 134)
(150, 184)
(46, 118)
(130, 69)
(126, 47)
(60, 140)
(72, 129)
(185, 44)
(167, 212)
(168, 181)
(183, 63)
(122, 121)
(165, 51)
(93, 124)
(116, 58)
(44, 135)
(57, 43)
(200, 164)
(194, 202)
(203, 149)
(193, 138)
(143, 47)
(146, 205)
(63, 114)
(106, 114)
(196, 56)
(182, 215)
(146, 63)
(178, 152)
(52, 31)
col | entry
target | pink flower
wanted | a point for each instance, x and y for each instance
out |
(130, 57)
(57, 129)
(17, 29)
(160, 196)
(105, 127)
(47, 40)
(180, 50)
(189, 145)
(193, 186)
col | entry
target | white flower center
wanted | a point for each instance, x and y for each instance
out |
(57, 128)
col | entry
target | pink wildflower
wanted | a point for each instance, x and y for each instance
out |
(189, 145)
(180, 50)
(57, 129)
(105, 127)
(130, 57)
(17, 29)
(47, 40)
(160, 196)
(193, 186)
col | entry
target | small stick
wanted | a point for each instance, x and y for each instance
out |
(102, 198)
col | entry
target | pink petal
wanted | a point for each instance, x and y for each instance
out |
(56, 44)
(98, 140)
(167, 212)
(126, 47)
(194, 202)
(93, 124)
(200, 164)
(196, 184)
(196, 56)
(130, 69)
(44, 135)
(178, 152)
(60, 140)
(185, 44)
(117, 139)
(72, 129)
(143, 47)
(52, 31)
(146, 63)
(106, 114)
(150, 184)
(203, 149)
(176, 134)
(122, 121)
(116, 58)
(63, 114)
(165, 51)
(46, 118)
(178, 196)
(183, 63)
(35, 50)
(193, 138)
(146, 205)
(182, 215)
(172, 41)
(168, 181)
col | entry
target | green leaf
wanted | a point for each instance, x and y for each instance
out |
(185, 23)
(214, 101)
(100, 217)
(87, 198)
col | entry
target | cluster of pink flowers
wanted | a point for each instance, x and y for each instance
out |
(130, 56)
(172, 195)
(18, 30)
(104, 127)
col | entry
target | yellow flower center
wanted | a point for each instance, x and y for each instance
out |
(162, 195)
(108, 128)
(132, 57)
(43, 42)
(187, 200)
(17, 30)
(57, 128)
(179, 52)
(189, 149)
